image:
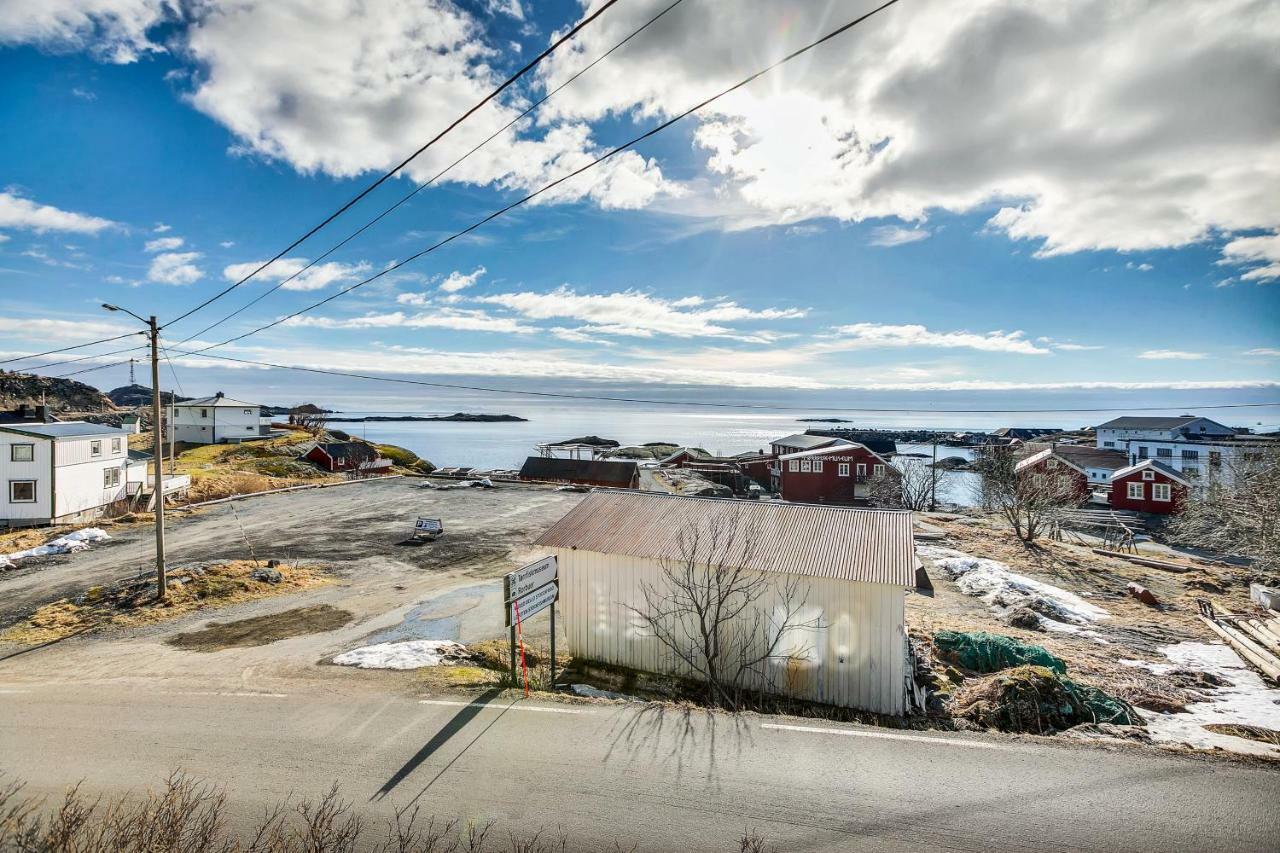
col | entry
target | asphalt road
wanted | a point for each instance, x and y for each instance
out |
(659, 779)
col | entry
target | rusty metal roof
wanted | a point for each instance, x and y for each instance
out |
(869, 545)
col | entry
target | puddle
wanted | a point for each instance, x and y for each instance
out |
(442, 618)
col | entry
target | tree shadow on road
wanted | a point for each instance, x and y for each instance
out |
(679, 735)
(438, 740)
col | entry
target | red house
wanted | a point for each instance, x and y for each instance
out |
(1051, 464)
(838, 474)
(1149, 486)
(337, 456)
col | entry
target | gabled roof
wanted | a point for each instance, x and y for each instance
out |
(691, 452)
(845, 445)
(806, 442)
(868, 545)
(71, 429)
(1133, 422)
(347, 449)
(1155, 466)
(608, 471)
(1079, 457)
(216, 401)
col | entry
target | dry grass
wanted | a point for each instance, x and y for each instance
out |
(1258, 733)
(133, 604)
(212, 485)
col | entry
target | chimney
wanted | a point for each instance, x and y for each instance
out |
(219, 395)
(44, 414)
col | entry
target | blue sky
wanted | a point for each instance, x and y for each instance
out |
(970, 217)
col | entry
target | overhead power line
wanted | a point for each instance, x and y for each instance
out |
(553, 184)
(430, 181)
(47, 365)
(700, 403)
(406, 161)
(69, 348)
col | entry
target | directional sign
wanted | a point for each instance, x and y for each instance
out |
(430, 526)
(531, 603)
(529, 578)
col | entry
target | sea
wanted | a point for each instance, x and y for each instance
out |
(508, 444)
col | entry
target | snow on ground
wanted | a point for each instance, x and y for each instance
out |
(1246, 700)
(411, 654)
(1002, 588)
(78, 540)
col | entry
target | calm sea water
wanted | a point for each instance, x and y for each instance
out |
(506, 445)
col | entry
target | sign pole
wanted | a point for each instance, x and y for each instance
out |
(553, 647)
(514, 677)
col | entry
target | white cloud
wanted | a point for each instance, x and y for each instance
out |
(1156, 142)
(175, 268)
(19, 212)
(511, 8)
(892, 235)
(457, 280)
(1144, 267)
(161, 228)
(227, 244)
(442, 318)
(1171, 355)
(349, 86)
(163, 244)
(634, 314)
(1077, 347)
(4, 238)
(879, 336)
(1267, 352)
(1263, 250)
(318, 277)
(41, 329)
(113, 30)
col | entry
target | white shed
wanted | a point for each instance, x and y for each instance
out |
(852, 565)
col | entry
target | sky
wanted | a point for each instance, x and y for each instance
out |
(992, 203)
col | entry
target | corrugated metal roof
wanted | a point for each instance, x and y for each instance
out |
(215, 401)
(602, 471)
(71, 429)
(805, 441)
(870, 545)
(1140, 422)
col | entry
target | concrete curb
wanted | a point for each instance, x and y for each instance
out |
(287, 489)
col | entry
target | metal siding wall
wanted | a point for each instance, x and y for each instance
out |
(863, 620)
(37, 470)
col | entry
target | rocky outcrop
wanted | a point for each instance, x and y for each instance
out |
(134, 396)
(61, 395)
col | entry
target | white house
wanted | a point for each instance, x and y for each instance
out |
(852, 567)
(216, 420)
(60, 473)
(1115, 434)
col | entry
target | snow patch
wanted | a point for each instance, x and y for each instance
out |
(1246, 700)
(78, 540)
(412, 654)
(1003, 589)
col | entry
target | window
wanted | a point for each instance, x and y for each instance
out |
(115, 445)
(110, 478)
(877, 470)
(817, 466)
(806, 465)
(1191, 454)
(248, 411)
(22, 491)
(793, 465)
(1108, 444)
(22, 453)
(843, 469)
(862, 469)
(95, 448)
(1215, 459)
(1148, 475)
(1161, 492)
(1142, 451)
(1166, 452)
(204, 413)
(1135, 491)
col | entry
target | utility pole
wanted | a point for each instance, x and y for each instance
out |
(933, 476)
(162, 585)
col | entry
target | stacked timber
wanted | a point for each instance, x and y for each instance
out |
(1255, 638)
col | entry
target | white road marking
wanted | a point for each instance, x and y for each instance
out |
(3, 692)
(225, 693)
(458, 704)
(889, 736)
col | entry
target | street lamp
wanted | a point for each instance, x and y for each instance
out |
(153, 331)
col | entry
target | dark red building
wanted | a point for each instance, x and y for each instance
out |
(338, 456)
(839, 474)
(1047, 463)
(1149, 486)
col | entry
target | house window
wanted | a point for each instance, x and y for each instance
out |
(22, 453)
(793, 465)
(1191, 454)
(843, 469)
(1135, 491)
(862, 470)
(1166, 452)
(115, 445)
(1108, 444)
(1142, 452)
(204, 413)
(22, 491)
(877, 470)
(1148, 475)
(817, 466)
(95, 448)
(110, 478)
(1161, 492)
(805, 465)
(248, 412)
(1215, 459)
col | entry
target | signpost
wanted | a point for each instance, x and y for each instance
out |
(427, 528)
(527, 591)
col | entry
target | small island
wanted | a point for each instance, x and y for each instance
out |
(463, 417)
(824, 420)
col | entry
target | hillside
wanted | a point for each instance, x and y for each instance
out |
(63, 395)
(132, 396)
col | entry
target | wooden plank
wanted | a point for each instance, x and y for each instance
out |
(1260, 634)
(1165, 565)
(1250, 652)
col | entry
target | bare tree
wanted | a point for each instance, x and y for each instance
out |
(725, 622)
(315, 423)
(1033, 500)
(911, 484)
(1236, 510)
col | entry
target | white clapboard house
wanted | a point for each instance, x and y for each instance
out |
(60, 473)
(217, 420)
(851, 566)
